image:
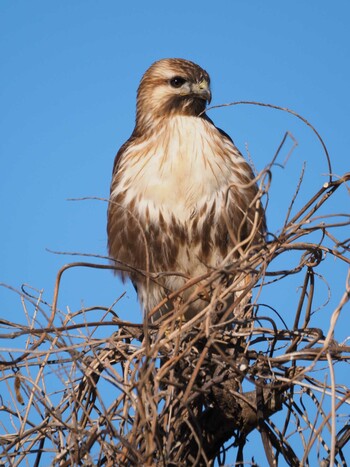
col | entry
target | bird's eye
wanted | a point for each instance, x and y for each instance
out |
(177, 82)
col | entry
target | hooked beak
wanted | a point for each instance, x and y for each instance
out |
(202, 90)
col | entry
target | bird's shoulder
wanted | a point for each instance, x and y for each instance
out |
(121, 151)
(220, 130)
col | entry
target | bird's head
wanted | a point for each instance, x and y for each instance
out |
(172, 86)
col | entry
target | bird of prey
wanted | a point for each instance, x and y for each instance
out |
(182, 195)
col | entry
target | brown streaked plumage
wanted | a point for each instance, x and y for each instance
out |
(182, 195)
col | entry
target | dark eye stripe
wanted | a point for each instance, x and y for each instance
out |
(177, 81)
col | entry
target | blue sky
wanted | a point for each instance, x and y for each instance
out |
(70, 70)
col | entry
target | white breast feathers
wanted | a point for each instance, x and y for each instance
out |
(184, 164)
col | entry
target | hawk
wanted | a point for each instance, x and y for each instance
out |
(182, 195)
